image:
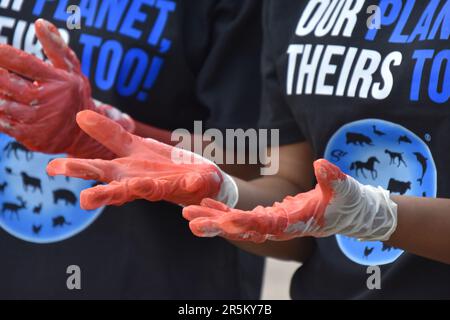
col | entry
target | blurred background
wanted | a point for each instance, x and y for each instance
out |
(277, 278)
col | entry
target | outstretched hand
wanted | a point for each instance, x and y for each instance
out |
(39, 100)
(338, 204)
(144, 169)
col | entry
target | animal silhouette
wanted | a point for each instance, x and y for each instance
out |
(14, 208)
(14, 147)
(396, 186)
(64, 195)
(424, 194)
(60, 221)
(423, 163)
(368, 251)
(29, 181)
(369, 165)
(37, 229)
(9, 171)
(3, 187)
(404, 139)
(358, 139)
(378, 132)
(37, 209)
(337, 154)
(387, 247)
(395, 155)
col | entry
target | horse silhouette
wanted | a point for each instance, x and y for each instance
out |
(368, 165)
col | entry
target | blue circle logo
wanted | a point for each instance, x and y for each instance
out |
(34, 206)
(381, 153)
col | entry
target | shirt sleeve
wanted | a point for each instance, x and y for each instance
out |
(229, 81)
(275, 113)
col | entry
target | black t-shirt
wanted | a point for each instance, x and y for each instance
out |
(375, 102)
(166, 63)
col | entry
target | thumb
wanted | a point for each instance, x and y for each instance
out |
(328, 175)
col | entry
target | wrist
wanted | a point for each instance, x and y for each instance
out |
(228, 189)
(229, 192)
(362, 211)
(115, 114)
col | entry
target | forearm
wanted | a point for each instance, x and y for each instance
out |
(243, 171)
(423, 227)
(147, 131)
(265, 191)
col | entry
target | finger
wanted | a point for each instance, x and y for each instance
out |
(148, 188)
(106, 131)
(197, 186)
(194, 212)
(115, 193)
(214, 204)
(16, 112)
(204, 227)
(99, 170)
(25, 64)
(55, 48)
(261, 220)
(156, 190)
(17, 88)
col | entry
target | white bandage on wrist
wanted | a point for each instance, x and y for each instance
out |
(362, 211)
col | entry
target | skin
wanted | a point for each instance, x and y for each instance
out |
(245, 172)
(417, 231)
(266, 190)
